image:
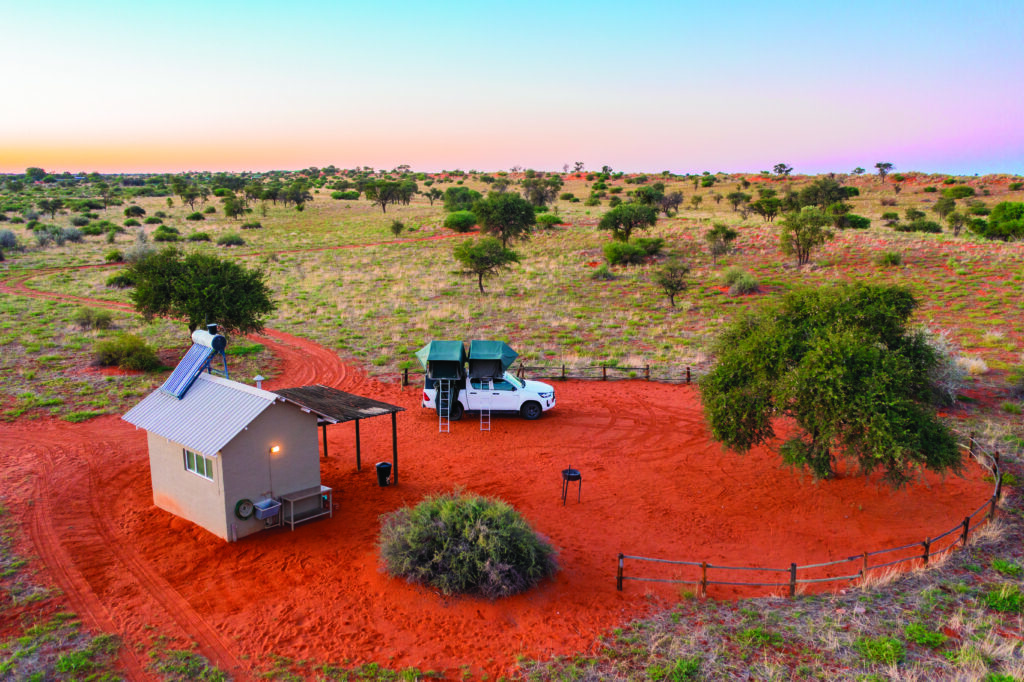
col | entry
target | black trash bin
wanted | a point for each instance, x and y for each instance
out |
(383, 473)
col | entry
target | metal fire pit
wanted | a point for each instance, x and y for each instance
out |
(568, 476)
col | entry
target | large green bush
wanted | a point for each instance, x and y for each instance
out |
(460, 543)
(1006, 221)
(126, 351)
(460, 221)
(624, 253)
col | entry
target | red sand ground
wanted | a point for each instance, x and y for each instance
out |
(653, 485)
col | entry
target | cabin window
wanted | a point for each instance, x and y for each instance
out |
(199, 465)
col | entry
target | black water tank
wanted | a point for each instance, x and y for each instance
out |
(383, 473)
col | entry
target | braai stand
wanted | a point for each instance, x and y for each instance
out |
(569, 475)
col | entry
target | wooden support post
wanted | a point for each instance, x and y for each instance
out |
(647, 372)
(405, 377)
(359, 455)
(792, 580)
(618, 576)
(687, 374)
(324, 426)
(394, 450)
(927, 548)
(604, 372)
(704, 579)
(999, 486)
(967, 529)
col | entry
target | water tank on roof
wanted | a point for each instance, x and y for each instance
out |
(205, 338)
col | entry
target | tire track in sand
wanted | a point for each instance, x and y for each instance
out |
(83, 599)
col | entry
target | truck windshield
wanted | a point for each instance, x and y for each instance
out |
(514, 381)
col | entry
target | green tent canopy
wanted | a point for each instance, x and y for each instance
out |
(489, 358)
(443, 359)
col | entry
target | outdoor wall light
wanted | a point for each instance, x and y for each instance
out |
(274, 449)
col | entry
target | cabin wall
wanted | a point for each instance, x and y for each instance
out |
(184, 493)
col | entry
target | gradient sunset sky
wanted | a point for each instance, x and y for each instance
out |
(682, 86)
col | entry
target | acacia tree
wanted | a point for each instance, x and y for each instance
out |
(622, 220)
(671, 279)
(720, 239)
(50, 206)
(802, 231)
(200, 288)
(484, 257)
(841, 363)
(507, 216)
(782, 170)
(883, 169)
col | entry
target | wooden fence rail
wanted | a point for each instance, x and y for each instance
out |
(928, 549)
(680, 375)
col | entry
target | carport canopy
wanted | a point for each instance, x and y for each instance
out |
(332, 406)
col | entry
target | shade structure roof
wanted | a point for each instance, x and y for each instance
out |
(334, 406)
(206, 418)
(442, 351)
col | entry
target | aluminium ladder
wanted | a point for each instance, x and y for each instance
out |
(485, 415)
(444, 404)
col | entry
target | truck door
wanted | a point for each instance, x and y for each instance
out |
(479, 394)
(504, 396)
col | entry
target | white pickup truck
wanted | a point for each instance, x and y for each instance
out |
(506, 394)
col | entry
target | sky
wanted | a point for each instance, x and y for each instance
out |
(728, 85)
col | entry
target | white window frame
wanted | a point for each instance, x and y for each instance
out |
(196, 458)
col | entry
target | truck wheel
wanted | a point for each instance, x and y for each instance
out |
(455, 411)
(530, 410)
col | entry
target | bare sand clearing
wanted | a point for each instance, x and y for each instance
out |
(653, 484)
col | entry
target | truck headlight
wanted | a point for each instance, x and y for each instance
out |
(546, 395)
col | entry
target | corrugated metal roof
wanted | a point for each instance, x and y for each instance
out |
(207, 418)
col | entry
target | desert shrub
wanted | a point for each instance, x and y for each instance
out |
(350, 195)
(949, 181)
(126, 351)
(958, 192)
(949, 374)
(681, 669)
(889, 258)
(166, 234)
(891, 218)
(1006, 221)
(230, 239)
(744, 284)
(397, 227)
(652, 246)
(884, 650)
(460, 221)
(566, 196)
(547, 220)
(1006, 598)
(222, 192)
(919, 634)
(121, 280)
(887, 201)
(918, 225)
(855, 222)
(113, 256)
(593, 201)
(209, 209)
(79, 221)
(198, 237)
(602, 274)
(623, 253)
(8, 240)
(252, 225)
(93, 318)
(614, 201)
(461, 543)
(972, 365)
(153, 220)
(195, 215)
(1014, 186)
(731, 275)
(17, 220)
(131, 222)
(930, 189)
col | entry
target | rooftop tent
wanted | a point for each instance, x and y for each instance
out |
(443, 359)
(489, 358)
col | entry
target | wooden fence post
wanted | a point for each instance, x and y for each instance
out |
(604, 372)
(792, 580)
(967, 529)
(927, 548)
(405, 376)
(864, 566)
(704, 579)
(970, 443)
(647, 372)
(999, 486)
(687, 374)
(563, 372)
(618, 576)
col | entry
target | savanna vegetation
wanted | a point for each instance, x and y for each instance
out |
(618, 268)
